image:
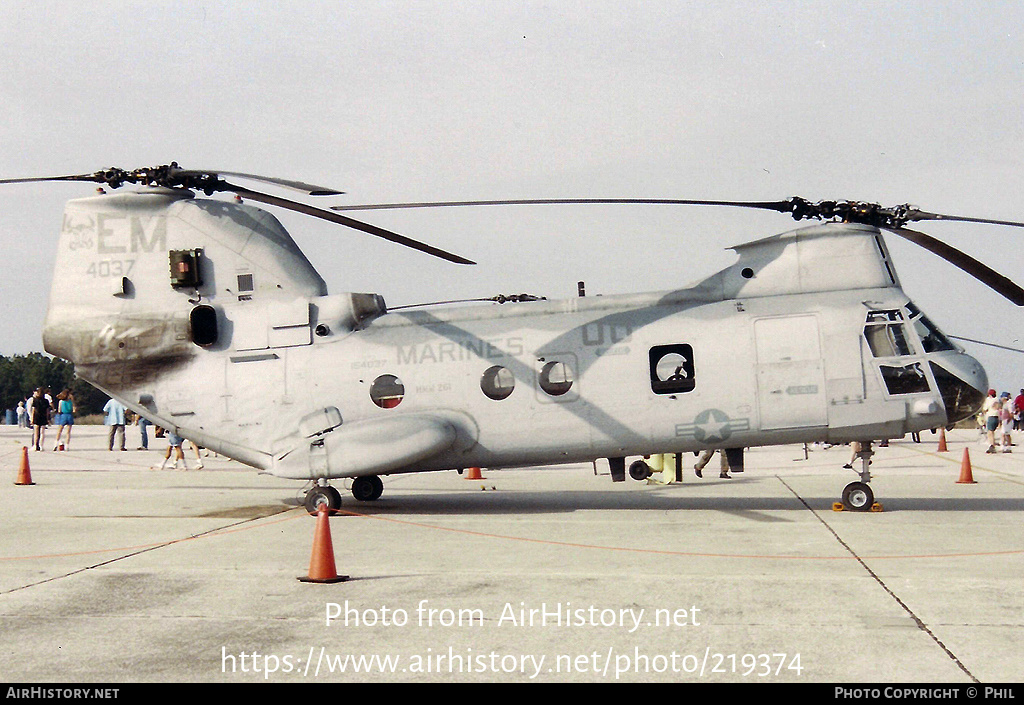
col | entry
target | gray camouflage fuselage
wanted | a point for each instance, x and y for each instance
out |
(807, 337)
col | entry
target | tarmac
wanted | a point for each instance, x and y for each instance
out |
(113, 572)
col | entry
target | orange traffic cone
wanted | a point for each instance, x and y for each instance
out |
(474, 474)
(966, 476)
(942, 441)
(321, 562)
(24, 474)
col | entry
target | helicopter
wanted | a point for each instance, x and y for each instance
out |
(204, 316)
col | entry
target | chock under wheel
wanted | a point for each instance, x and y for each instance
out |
(840, 507)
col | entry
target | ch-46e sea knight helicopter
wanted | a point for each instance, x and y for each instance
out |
(204, 316)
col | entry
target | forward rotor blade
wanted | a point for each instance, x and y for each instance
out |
(301, 186)
(799, 208)
(349, 222)
(915, 215)
(976, 269)
(982, 342)
(780, 206)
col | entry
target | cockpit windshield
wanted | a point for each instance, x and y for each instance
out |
(931, 337)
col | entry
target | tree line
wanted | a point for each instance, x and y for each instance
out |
(20, 375)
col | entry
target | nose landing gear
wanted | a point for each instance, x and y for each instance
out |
(857, 496)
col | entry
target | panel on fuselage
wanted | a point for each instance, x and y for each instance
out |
(790, 374)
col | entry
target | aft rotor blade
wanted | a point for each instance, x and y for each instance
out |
(780, 206)
(349, 222)
(97, 177)
(308, 189)
(976, 269)
(173, 176)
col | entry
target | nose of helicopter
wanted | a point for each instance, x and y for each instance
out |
(963, 384)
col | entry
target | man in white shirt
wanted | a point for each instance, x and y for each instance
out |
(115, 413)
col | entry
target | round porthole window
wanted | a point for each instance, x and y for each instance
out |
(387, 391)
(556, 378)
(672, 367)
(672, 370)
(497, 383)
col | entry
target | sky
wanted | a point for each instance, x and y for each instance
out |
(891, 102)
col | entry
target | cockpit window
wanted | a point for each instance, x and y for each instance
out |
(884, 316)
(887, 340)
(904, 380)
(931, 337)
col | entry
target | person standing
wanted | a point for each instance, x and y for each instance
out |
(115, 419)
(40, 417)
(1006, 420)
(144, 424)
(65, 418)
(991, 408)
(1018, 412)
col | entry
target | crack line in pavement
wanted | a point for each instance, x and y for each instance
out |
(917, 620)
(144, 549)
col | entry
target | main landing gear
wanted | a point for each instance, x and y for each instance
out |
(367, 488)
(857, 496)
(322, 495)
(364, 489)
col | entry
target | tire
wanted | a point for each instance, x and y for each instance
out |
(367, 488)
(639, 470)
(858, 497)
(325, 495)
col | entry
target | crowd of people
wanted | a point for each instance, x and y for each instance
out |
(42, 410)
(999, 417)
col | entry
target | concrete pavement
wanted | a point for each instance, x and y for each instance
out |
(113, 572)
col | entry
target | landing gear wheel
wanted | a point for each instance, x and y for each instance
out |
(323, 495)
(639, 470)
(367, 488)
(858, 497)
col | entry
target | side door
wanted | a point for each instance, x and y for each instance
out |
(790, 372)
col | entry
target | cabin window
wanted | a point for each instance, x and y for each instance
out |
(672, 370)
(202, 322)
(387, 391)
(904, 380)
(497, 383)
(555, 378)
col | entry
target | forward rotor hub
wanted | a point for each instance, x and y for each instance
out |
(852, 212)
